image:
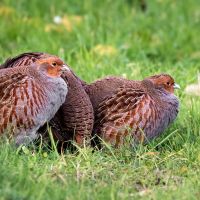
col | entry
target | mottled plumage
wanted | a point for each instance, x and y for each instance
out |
(30, 95)
(75, 117)
(142, 109)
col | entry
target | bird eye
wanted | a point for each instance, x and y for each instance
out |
(168, 83)
(54, 64)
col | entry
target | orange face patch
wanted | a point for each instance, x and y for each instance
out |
(169, 88)
(54, 71)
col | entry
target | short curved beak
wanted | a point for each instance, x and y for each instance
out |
(65, 68)
(176, 86)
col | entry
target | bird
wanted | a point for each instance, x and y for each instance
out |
(30, 95)
(74, 120)
(140, 110)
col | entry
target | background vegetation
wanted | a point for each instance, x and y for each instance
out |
(99, 38)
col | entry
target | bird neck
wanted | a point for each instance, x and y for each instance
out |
(149, 87)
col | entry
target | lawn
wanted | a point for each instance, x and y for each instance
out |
(99, 38)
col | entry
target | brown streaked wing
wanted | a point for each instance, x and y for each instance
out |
(122, 101)
(115, 115)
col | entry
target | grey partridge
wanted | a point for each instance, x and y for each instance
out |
(75, 117)
(140, 109)
(30, 95)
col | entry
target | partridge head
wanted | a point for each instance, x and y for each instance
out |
(52, 67)
(141, 109)
(164, 81)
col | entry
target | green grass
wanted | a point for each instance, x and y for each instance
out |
(163, 39)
